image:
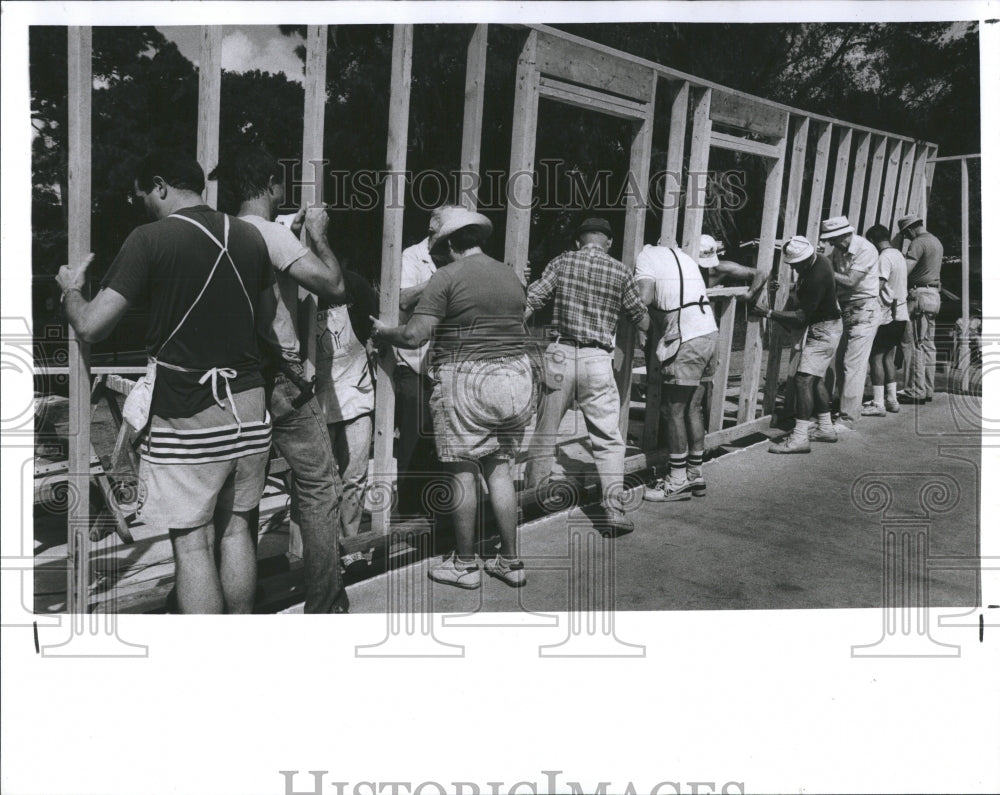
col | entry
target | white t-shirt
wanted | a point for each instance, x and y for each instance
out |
(344, 385)
(417, 268)
(657, 264)
(284, 249)
(892, 268)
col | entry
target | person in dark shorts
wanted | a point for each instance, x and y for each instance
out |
(819, 313)
(206, 280)
(892, 295)
(483, 396)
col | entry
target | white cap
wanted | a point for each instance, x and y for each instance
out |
(707, 252)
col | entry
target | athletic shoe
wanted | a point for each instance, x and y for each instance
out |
(665, 491)
(873, 410)
(461, 576)
(511, 572)
(892, 406)
(789, 445)
(615, 523)
(820, 435)
(842, 427)
(910, 400)
(696, 485)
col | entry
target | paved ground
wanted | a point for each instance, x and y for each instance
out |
(774, 532)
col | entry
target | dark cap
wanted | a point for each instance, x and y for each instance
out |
(594, 225)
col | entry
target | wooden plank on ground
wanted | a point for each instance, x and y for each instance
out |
(593, 68)
(858, 178)
(209, 104)
(79, 99)
(841, 167)
(905, 178)
(472, 120)
(743, 113)
(697, 185)
(727, 324)
(875, 182)
(632, 241)
(753, 349)
(522, 158)
(889, 183)
(816, 192)
(392, 249)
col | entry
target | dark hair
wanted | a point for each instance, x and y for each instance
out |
(246, 173)
(878, 234)
(175, 168)
(467, 237)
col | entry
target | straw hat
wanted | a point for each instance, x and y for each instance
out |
(451, 219)
(797, 249)
(909, 220)
(835, 227)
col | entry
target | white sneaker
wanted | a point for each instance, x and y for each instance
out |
(460, 575)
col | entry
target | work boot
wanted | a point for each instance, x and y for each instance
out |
(790, 445)
(892, 406)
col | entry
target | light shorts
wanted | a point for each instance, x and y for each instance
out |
(193, 465)
(820, 347)
(481, 407)
(695, 361)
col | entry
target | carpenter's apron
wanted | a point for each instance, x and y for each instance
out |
(213, 375)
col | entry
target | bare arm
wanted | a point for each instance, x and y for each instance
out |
(92, 320)
(409, 297)
(414, 334)
(850, 279)
(319, 272)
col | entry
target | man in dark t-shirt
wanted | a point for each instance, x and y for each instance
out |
(819, 313)
(206, 280)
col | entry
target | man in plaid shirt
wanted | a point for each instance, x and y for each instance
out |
(590, 289)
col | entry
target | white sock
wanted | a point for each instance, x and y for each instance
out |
(890, 391)
(879, 396)
(824, 421)
(801, 431)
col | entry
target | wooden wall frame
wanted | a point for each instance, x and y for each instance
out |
(567, 68)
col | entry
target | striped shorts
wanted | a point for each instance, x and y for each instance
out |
(192, 465)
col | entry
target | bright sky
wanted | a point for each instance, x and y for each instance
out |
(244, 48)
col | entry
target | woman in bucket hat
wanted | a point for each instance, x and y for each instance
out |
(483, 394)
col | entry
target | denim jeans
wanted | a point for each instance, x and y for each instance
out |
(351, 441)
(301, 437)
(586, 375)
